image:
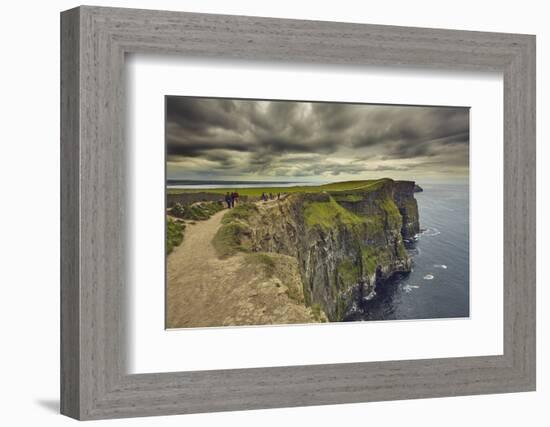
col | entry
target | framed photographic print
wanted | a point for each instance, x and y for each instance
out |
(261, 213)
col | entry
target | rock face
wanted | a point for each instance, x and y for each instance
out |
(408, 207)
(343, 240)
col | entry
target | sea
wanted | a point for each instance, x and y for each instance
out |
(438, 285)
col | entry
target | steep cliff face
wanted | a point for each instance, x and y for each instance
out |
(408, 207)
(343, 240)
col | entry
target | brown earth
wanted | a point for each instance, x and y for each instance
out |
(203, 290)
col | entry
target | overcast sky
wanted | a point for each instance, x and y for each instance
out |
(223, 139)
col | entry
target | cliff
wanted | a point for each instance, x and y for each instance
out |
(408, 207)
(344, 241)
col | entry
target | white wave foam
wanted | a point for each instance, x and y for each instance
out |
(415, 251)
(409, 288)
(431, 231)
(370, 296)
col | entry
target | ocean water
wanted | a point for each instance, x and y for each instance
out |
(438, 286)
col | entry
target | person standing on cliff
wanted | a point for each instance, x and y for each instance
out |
(228, 200)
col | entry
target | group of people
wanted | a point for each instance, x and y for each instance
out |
(271, 196)
(231, 199)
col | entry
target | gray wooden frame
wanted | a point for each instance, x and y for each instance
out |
(94, 41)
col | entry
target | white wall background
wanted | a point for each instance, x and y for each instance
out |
(29, 224)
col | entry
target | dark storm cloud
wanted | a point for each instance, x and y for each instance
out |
(241, 137)
(416, 131)
(200, 117)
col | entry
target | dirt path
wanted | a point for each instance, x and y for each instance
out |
(195, 274)
(203, 290)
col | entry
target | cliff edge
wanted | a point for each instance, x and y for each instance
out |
(344, 241)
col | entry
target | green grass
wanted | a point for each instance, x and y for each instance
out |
(364, 185)
(349, 272)
(352, 198)
(328, 214)
(264, 261)
(402, 251)
(174, 234)
(392, 212)
(228, 239)
(317, 311)
(411, 206)
(196, 212)
(241, 212)
(373, 256)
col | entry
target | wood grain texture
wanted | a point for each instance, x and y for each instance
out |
(95, 383)
(70, 263)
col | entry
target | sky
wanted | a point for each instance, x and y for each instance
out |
(256, 140)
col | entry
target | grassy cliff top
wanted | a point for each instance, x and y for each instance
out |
(363, 185)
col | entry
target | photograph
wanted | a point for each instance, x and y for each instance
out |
(286, 212)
